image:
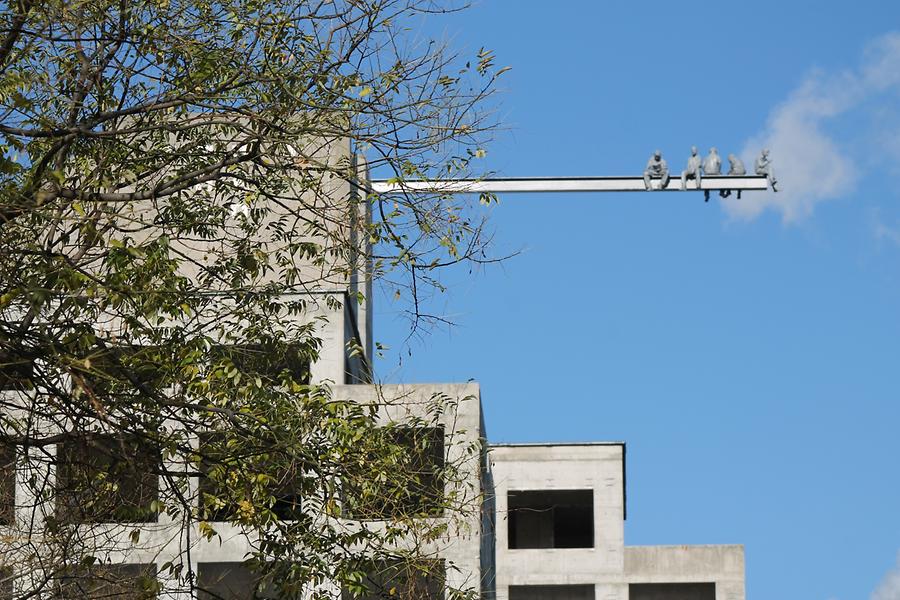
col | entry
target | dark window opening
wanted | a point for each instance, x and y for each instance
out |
(103, 478)
(225, 581)
(123, 370)
(672, 591)
(238, 581)
(15, 373)
(394, 580)
(7, 483)
(222, 455)
(551, 519)
(6, 583)
(551, 592)
(269, 363)
(416, 489)
(107, 581)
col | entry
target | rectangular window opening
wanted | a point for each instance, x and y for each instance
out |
(107, 581)
(269, 363)
(551, 519)
(105, 478)
(396, 580)
(237, 581)
(672, 591)
(217, 504)
(551, 592)
(16, 373)
(417, 489)
(121, 371)
(225, 581)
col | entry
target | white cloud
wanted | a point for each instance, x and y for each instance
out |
(889, 588)
(813, 166)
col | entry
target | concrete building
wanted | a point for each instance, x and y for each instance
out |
(543, 521)
(560, 527)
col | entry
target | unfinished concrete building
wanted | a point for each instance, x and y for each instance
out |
(546, 521)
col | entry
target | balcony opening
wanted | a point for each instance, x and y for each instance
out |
(418, 487)
(15, 373)
(268, 362)
(672, 591)
(551, 592)
(231, 581)
(103, 478)
(123, 371)
(396, 580)
(122, 581)
(221, 454)
(240, 581)
(551, 519)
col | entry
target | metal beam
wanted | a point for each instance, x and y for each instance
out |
(524, 185)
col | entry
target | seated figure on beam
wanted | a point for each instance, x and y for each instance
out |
(735, 169)
(712, 165)
(764, 167)
(693, 169)
(656, 167)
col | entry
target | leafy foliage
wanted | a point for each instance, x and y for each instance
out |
(180, 204)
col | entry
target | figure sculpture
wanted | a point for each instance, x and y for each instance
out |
(656, 167)
(712, 165)
(736, 166)
(693, 169)
(735, 169)
(764, 167)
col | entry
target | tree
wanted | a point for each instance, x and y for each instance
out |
(178, 181)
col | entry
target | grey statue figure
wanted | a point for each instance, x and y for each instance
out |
(656, 167)
(735, 165)
(712, 165)
(693, 169)
(735, 169)
(764, 167)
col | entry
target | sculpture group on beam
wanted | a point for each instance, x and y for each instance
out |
(711, 165)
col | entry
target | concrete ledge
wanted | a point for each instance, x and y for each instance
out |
(664, 564)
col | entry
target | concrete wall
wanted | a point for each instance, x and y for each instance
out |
(343, 356)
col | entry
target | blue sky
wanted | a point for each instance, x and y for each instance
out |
(749, 354)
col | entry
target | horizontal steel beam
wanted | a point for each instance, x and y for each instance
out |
(524, 185)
